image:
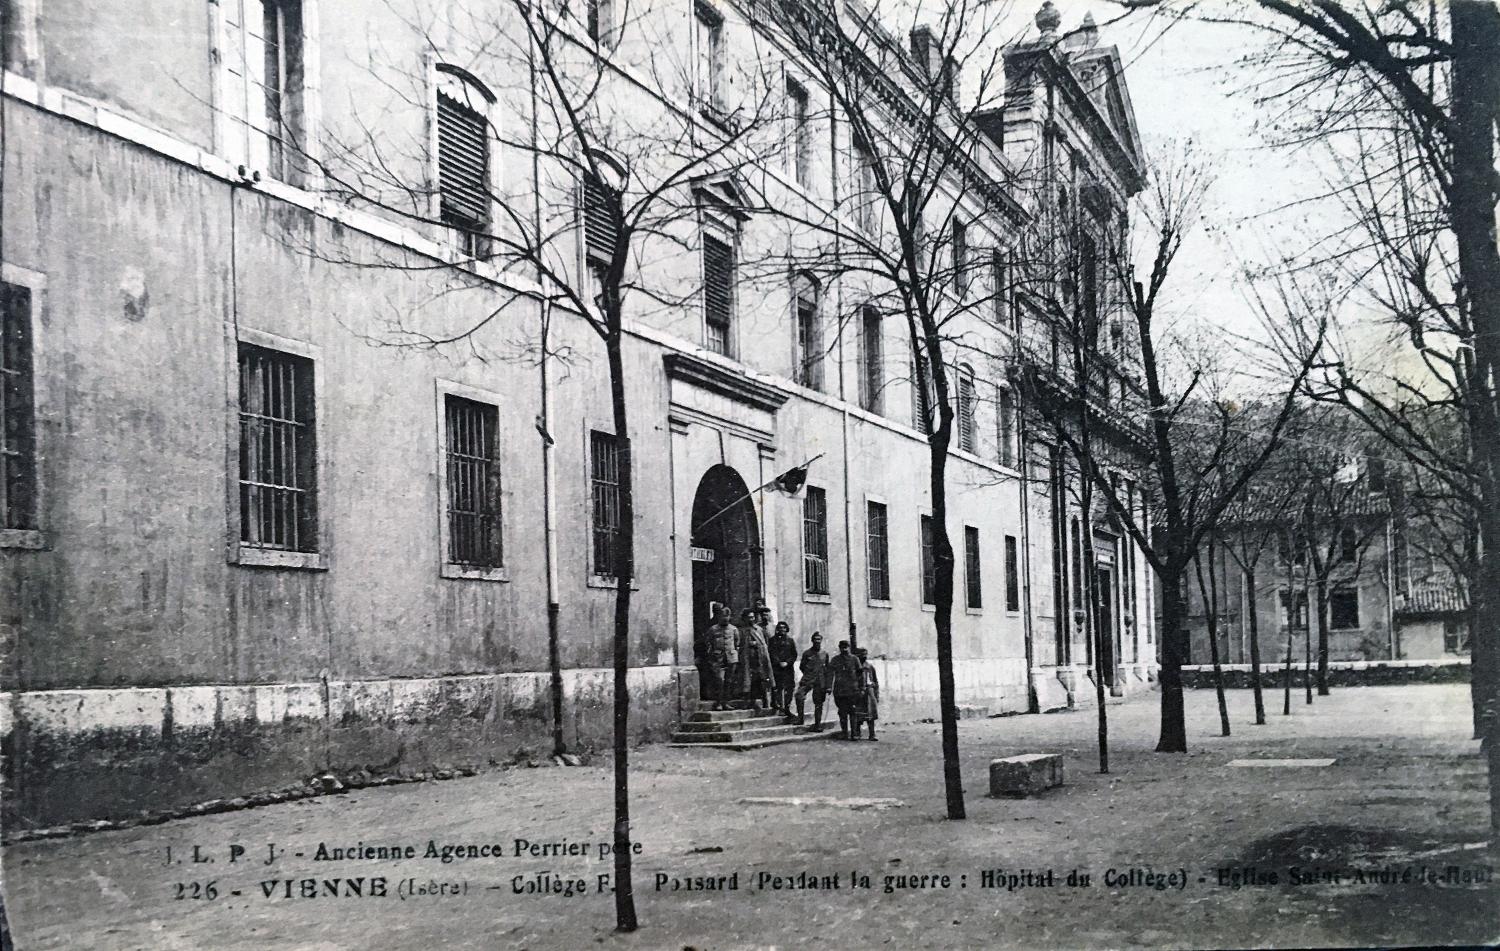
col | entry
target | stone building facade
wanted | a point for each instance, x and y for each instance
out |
(261, 522)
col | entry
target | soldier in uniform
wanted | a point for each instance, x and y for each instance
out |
(783, 673)
(814, 667)
(847, 676)
(870, 710)
(756, 656)
(721, 643)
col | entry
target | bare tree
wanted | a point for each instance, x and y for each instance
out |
(600, 229)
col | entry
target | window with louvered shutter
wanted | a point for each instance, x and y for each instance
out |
(968, 430)
(718, 293)
(599, 227)
(463, 164)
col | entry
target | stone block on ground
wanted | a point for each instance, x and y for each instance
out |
(1026, 774)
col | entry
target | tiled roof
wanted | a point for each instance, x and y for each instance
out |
(1434, 597)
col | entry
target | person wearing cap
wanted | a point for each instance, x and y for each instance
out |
(847, 676)
(869, 710)
(814, 667)
(783, 673)
(756, 656)
(721, 647)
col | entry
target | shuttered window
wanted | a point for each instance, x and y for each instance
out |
(600, 229)
(921, 394)
(718, 293)
(463, 164)
(968, 429)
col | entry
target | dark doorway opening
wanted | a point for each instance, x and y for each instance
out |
(726, 553)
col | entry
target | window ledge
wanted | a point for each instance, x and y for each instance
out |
(27, 539)
(814, 598)
(471, 573)
(929, 608)
(879, 603)
(248, 557)
(973, 611)
(608, 581)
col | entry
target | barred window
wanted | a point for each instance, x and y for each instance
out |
(878, 551)
(929, 563)
(974, 596)
(1012, 576)
(718, 293)
(463, 155)
(872, 361)
(474, 538)
(604, 471)
(278, 452)
(18, 456)
(968, 410)
(815, 541)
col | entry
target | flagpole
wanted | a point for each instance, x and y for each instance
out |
(737, 501)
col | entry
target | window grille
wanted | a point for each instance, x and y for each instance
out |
(974, 596)
(718, 293)
(474, 538)
(815, 541)
(463, 165)
(929, 563)
(872, 376)
(278, 476)
(1012, 576)
(604, 463)
(18, 502)
(878, 551)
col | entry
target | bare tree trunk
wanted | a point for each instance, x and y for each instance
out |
(1306, 646)
(1322, 637)
(1209, 592)
(1475, 30)
(943, 562)
(1091, 616)
(1173, 738)
(625, 919)
(1254, 622)
(1286, 680)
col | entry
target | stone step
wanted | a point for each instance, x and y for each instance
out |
(722, 716)
(755, 744)
(737, 736)
(730, 726)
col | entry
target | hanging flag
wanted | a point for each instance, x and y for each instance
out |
(792, 480)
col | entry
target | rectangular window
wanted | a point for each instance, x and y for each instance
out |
(710, 24)
(601, 22)
(1012, 576)
(1006, 426)
(960, 257)
(929, 563)
(1300, 622)
(1089, 276)
(1000, 278)
(278, 452)
(799, 132)
(1078, 579)
(18, 454)
(473, 483)
(1455, 637)
(809, 339)
(263, 58)
(463, 160)
(600, 227)
(718, 294)
(867, 185)
(815, 541)
(878, 551)
(872, 361)
(968, 412)
(1343, 609)
(604, 478)
(973, 596)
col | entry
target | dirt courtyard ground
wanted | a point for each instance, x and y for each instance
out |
(841, 845)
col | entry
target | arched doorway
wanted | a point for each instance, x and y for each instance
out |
(726, 544)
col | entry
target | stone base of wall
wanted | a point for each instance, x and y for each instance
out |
(71, 755)
(1357, 673)
(909, 686)
(1071, 687)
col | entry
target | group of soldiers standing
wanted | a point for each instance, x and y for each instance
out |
(739, 665)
